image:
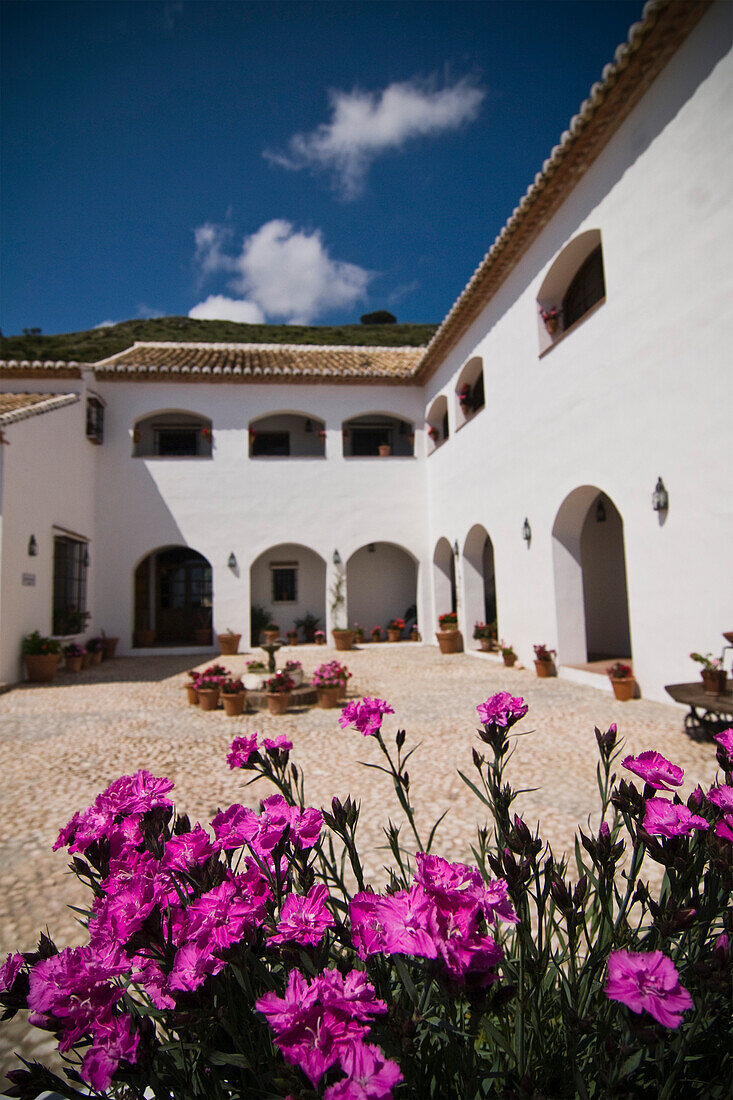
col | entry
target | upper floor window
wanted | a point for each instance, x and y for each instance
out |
(470, 390)
(378, 434)
(95, 420)
(172, 435)
(282, 435)
(573, 286)
(437, 423)
(70, 565)
(284, 582)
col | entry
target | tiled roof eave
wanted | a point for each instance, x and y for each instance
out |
(664, 26)
(54, 401)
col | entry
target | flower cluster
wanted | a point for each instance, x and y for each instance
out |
(396, 624)
(330, 674)
(708, 662)
(619, 671)
(74, 650)
(279, 684)
(232, 687)
(212, 677)
(542, 653)
(484, 630)
(365, 715)
(448, 620)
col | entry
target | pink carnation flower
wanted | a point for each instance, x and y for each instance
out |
(647, 981)
(186, 850)
(115, 812)
(242, 749)
(655, 770)
(502, 709)
(9, 971)
(722, 797)
(725, 740)
(724, 828)
(191, 967)
(371, 1076)
(281, 742)
(304, 919)
(114, 1042)
(366, 716)
(663, 818)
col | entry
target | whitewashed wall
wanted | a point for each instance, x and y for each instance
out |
(640, 389)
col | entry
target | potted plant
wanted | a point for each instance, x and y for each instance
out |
(434, 435)
(622, 681)
(208, 690)
(544, 661)
(344, 676)
(229, 642)
(258, 620)
(508, 655)
(551, 317)
(272, 632)
(278, 689)
(485, 635)
(294, 669)
(309, 625)
(414, 634)
(191, 687)
(255, 675)
(385, 450)
(292, 637)
(319, 637)
(376, 633)
(394, 629)
(234, 697)
(358, 633)
(110, 646)
(343, 639)
(41, 656)
(327, 682)
(73, 657)
(712, 672)
(70, 621)
(464, 398)
(449, 636)
(95, 646)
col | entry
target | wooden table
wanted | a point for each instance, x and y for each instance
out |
(709, 714)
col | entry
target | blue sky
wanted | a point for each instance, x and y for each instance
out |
(288, 162)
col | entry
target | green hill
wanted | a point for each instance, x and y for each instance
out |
(98, 343)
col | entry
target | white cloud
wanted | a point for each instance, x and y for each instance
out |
(365, 124)
(105, 324)
(217, 307)
(149, 313)
(284, 272)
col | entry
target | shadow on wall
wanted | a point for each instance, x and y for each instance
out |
(381, 584)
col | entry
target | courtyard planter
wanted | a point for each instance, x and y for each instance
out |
(486, 645)
(376, 635)
(208, 698)
(713, 680)
(414, 634)
(509, 658)
(328, 697)
(343, 639)
(394, 635)
(450, 641)
(385, 450)
(109, 647)
(234, 703)
(545, 669)
(73, 664)
(551, 324)
(40, 668)
(278, 701)
(229, 643)
(623, 689)
(192, 695)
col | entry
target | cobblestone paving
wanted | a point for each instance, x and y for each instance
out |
(60, 744)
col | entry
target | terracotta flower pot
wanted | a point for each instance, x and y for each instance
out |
(97, 657)
(229, 644)
(208, 698)
(713, 680)
(292, 639)
(377, 636)
(109, 647)
(414, 634)
(341, 690)
(192, 695)
(343, 639)
(450, 641)
(328, 697)
(271, 636)
(41, 668)
(385, 450)
(623, 689)
(234, 704)
(73, 664)
(545, 669)
(485, 644)
(509, 659)
(393, 635)
(278, 701)
(551, 324)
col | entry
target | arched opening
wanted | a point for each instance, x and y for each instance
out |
(286, 434)
(573, 286)
(470, 390)
(288, 581)
(172, 434)
(590, 579)
(381, 584)
(437, 423)
(378, 434)
(173, 598)
(479, 578)
(444, 578)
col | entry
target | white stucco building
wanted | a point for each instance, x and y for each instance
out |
(169, 488)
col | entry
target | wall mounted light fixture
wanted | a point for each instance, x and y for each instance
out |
(600, 511)
(232, 560)
(85, 559)
(526, 531)
(336, 558)
(309, 425)
(371, 548)
(660, 497)
(456, 549)
(32, 547)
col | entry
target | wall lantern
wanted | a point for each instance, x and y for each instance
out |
(600, 511)
(660, 497)
(32, 547)
(371, 548)
(526, 532)
(456, 549)
(85, 559)
(336, 558)
(309, 425)
(232, 560)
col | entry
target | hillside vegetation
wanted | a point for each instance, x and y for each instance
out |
(98, 343)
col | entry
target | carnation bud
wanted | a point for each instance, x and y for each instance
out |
(561, 894)
(400, 738)
(694, 802)
(606, 741)
(405, 780)
(477, 759)
(580, 891)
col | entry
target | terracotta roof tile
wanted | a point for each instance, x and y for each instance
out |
(19, 406)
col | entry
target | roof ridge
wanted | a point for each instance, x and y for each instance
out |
(229, 345)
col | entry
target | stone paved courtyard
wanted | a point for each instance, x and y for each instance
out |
(60, 744)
